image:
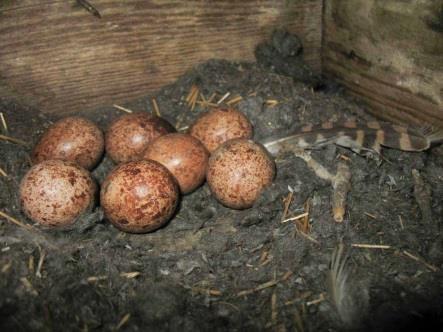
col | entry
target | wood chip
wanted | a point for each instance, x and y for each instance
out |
(3, 173)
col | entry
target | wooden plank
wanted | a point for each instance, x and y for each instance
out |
(396, 69)
(65, 59)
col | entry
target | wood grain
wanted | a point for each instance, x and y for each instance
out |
(396, 73)
(64, 59)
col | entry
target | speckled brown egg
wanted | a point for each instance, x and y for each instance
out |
(139, 196)
(55, 193)
(72, 139)
(238, 172)
(129, 135)
(184, 156)
(219, 125)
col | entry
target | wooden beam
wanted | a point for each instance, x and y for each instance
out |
(64, 59)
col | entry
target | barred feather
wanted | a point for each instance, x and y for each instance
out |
(357, 136)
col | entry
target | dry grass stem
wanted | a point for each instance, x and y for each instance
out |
(15, 221)
(222, 99)
(192, 97)
(6, 267)
(38, 273)
(28, 286)
(96, 278)
(300, 216)
(234, 100)
(123, 321)
(121, 108)
(265, 285)
(130, 275)
(31, 264)
(286, 204)
(298, 321)
(2, 117)
(401, 222)
(370, 215)
(370, 246)
(207, 291)
(320, 299)
(306, 236)
(421, 260)
(271, 102)
(13, 140)
(274, 313)
(156, 109)
(3, 173)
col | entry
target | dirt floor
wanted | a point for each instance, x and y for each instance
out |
(213, 268)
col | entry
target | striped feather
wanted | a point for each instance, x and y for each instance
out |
(356, 136)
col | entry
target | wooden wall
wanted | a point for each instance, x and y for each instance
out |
(59, 57)
(390, 54)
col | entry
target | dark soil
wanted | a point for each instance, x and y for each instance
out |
(212, 268)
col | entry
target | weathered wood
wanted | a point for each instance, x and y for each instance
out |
(64, 59)
(396, 68)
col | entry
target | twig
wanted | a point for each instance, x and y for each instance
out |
(370, 246)
(418, 259)
(121, 108)
(341, 186)
(156, 109)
